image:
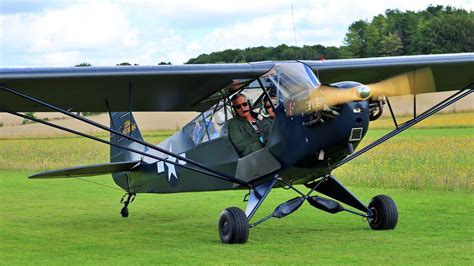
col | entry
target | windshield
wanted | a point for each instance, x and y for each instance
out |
(290, 83)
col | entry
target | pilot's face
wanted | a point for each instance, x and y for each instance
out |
(241, 106)
(268, 107)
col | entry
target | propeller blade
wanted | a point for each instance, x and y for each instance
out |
(325, 96)
(331, 96)
(413, 82)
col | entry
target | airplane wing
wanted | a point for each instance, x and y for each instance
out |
(184, 87)
(450, 71)
(88, 170)
(153, 88)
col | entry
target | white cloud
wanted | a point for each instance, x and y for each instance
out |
(57, 34)
(64, 33)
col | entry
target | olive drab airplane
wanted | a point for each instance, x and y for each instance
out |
(322, 112)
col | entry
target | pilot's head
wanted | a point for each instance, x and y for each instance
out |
(240, 104)
(268, 107)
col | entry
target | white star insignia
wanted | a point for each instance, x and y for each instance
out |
(170, 167)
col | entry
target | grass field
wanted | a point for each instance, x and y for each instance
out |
(70, 221)
(428, 172)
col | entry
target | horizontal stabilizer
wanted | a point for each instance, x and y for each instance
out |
(88, 170)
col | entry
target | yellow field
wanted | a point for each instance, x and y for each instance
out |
(450, 120)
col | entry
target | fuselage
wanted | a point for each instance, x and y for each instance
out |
(303, 152)
(303, 144)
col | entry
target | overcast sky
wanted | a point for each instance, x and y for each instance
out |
(68, 32)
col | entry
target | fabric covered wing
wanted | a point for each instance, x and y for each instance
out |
(88, 170)
(450, 71)
(154, 88)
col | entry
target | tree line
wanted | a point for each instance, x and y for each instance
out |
(437, 29)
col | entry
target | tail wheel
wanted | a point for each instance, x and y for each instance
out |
(124, 212)
(233, 226)
(384, 213)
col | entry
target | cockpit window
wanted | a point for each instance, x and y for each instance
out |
(210, 124)
(290, 82)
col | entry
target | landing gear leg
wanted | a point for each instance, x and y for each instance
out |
(130, 197)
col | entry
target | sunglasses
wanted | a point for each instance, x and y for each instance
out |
(268, 106)
(238, 106)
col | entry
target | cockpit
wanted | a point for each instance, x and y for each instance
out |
(281, 87)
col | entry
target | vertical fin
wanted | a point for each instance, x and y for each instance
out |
(125, 123)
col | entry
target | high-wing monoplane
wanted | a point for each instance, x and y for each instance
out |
(322, 112)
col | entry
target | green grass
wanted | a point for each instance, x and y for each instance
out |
(70, 221)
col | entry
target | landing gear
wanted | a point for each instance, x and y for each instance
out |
(130, 198)
(124, 212)
(233, 226)
(384, 213)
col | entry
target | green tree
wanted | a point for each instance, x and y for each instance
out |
(390, 45)
(84, 64)
(356, 40)
(448, 33)
(27, 121)
(437, 29)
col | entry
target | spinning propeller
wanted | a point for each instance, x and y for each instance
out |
(325, 96)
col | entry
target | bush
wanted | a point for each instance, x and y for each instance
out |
(27, 121)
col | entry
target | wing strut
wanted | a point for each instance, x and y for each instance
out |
(400, 128)
(201, 168)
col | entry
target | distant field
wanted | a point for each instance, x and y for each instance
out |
(448, 120)
(417, 159)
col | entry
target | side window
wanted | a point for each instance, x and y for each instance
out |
(210, 124)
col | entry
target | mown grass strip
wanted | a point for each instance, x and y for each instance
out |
(73, 222)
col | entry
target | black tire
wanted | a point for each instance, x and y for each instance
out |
(385, 213)
(233, 226)
(124, 212)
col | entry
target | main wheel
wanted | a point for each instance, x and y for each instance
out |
(384, 213)
(233, 226)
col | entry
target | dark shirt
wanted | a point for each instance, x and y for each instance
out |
(244, 137)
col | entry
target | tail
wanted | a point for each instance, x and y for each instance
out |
(121, 161)
(125, 123)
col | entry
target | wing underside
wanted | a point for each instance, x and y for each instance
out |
(154, 88)
(185, 87)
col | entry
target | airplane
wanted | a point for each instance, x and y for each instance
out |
(322, 112)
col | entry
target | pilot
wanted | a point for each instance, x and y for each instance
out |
(247, 133)
(268, 107)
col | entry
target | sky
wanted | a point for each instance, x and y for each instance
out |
(146, 32)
